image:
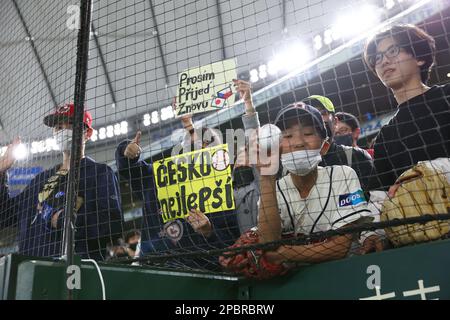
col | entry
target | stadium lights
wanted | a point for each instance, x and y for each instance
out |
(294, 56)
(328, 36)
(317, 42)
(156, 116)
(346, 26)
(448, 75)
(49, 144)
(254, 75)
(167, 113)
(110, 131)
(117, 129)
(262, 71)
(94, 136)
(123, 127)
(271, 68)
(102, 133)
(355, 22)
(350, 24)
(146, 121)
(389, 4)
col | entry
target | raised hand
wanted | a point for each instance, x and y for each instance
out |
(133, 149)
(245, 93)
(186, 119)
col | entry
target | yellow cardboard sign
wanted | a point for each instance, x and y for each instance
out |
(206, 88)
(199, 179)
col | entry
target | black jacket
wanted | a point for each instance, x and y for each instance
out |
(420, 130)
(98, 220)
(361, 161)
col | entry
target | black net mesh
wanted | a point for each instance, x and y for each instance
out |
(175, 93)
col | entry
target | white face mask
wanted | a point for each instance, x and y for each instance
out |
(301, 162)
(64, 139)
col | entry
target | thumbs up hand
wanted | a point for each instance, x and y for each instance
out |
(133, 149)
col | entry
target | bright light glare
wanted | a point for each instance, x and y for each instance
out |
(94, 136)
(254, 75)
(293, 57)
(262, 71)
(170, 111)
(155, 117)
(167, 113)
(117, 129)
(102, 133)
(327, 36)
(50, 144)
(355, 22)
(110, 131)
(20, 152)
(146, 121)
(317, 42)
(34, 147)
(124, 127)
(41, 146)
(389, 4)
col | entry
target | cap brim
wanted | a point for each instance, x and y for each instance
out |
(292, 113)
(321, 103)
(295, 112)
(54, 119)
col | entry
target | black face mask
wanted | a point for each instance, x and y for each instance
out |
(242, 176)
(133, 246)
(344, 140)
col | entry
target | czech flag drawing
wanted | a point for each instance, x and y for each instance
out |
(225, 93)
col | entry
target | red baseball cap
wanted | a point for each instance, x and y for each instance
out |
(64, 114)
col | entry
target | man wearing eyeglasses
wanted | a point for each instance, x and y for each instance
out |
(402, 58)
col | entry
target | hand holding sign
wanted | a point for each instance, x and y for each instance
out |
(199, 180)
(8, 159)
(133, 150)
(206, 88)
(199, 222)
(245, 93)
(186, 119)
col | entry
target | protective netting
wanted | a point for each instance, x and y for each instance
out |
(178, 93)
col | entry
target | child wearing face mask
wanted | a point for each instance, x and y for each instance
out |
(341, 150)
(308, 199)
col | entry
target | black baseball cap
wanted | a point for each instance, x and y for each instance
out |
(304, 114)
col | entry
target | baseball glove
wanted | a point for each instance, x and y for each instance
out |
(422, 190)
(250, 263)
